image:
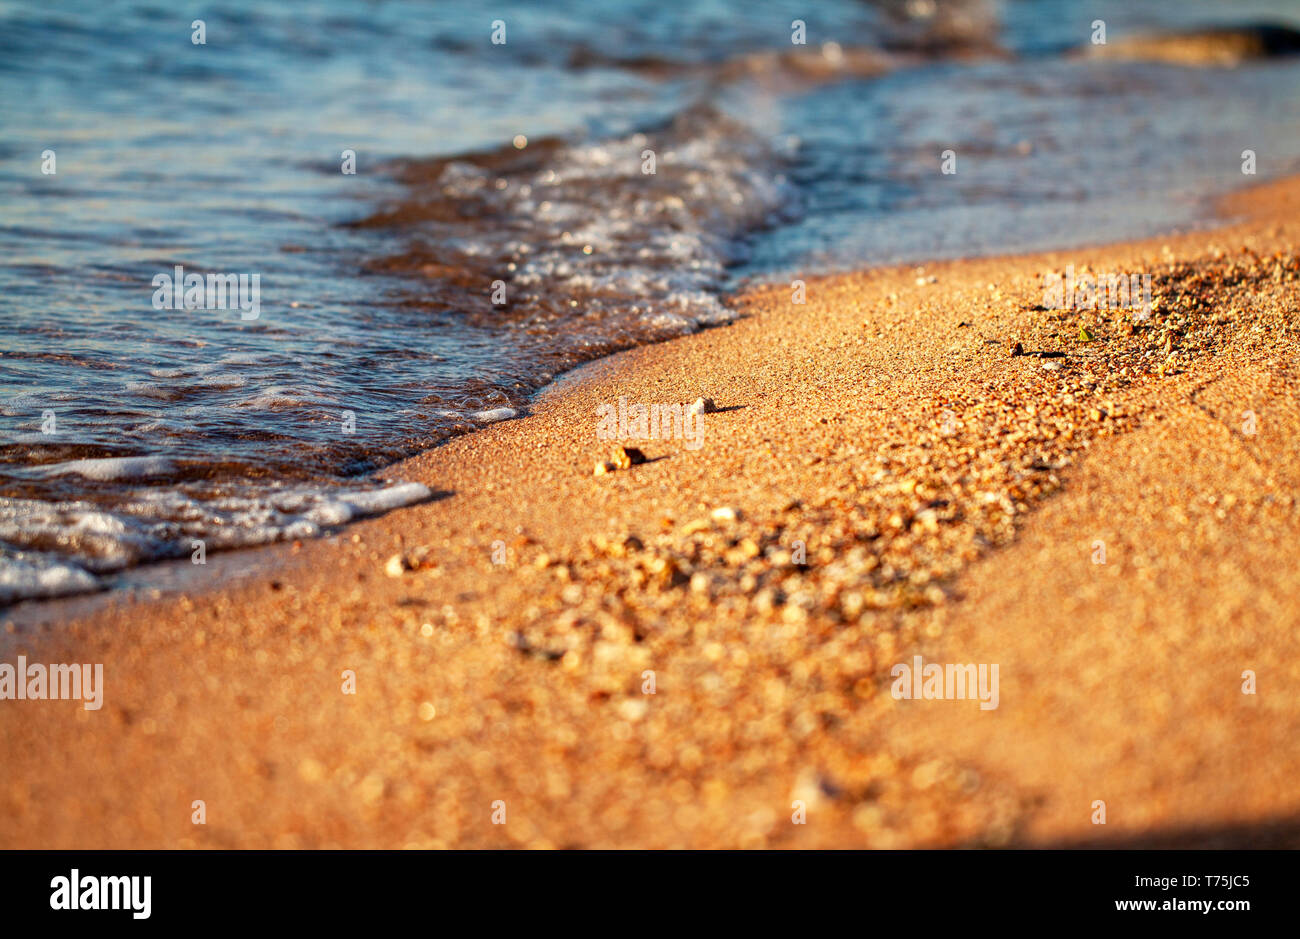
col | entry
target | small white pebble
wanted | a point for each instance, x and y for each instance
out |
(633, 709)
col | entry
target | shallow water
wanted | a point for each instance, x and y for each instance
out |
(128, 432)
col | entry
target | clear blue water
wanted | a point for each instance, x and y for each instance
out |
(377, 335)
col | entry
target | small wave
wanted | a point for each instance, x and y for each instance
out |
(152, 391)
(108, 469)
(589, 241)
(275, 399)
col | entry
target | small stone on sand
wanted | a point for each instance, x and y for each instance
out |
(413, 560)
(624, 457)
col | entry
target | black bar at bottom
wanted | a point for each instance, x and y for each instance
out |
(658, 891)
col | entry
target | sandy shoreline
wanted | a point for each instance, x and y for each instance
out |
(949, 497)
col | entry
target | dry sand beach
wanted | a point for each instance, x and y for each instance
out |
(949, 497)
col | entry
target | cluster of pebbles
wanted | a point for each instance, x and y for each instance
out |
(953, 482)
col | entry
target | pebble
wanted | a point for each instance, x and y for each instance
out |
(633, 709)
(626, 457)
(703, 406)
(413, 560)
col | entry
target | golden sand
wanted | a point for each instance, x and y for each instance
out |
(1110, 517)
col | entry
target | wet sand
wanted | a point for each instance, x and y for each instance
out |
(947, 499)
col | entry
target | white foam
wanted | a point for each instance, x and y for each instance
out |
(155, 524)
(112, 468)
(100, 523)
(275, 398)
(149, 390)
(341, 508)
(224, 380)
(495, 414)
(32, 578)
